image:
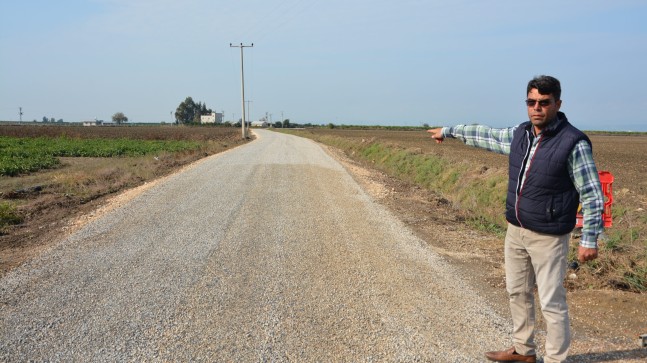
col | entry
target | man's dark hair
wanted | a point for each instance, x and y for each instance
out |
(546, 85)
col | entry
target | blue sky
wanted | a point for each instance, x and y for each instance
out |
(374, 62)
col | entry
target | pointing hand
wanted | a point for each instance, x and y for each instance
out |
(437, 134)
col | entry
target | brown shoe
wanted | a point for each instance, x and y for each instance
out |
(510, 355)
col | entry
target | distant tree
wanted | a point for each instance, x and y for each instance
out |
(119, 118)
(189, 112)
(45, 119)
(286, 123)
(60, 121)
(201, 109)
(185, 111)
(204, 110)
(331, 125)
(197, 112)
(278, 124)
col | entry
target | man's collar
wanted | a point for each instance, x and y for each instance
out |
(557, 124)
(553, 126)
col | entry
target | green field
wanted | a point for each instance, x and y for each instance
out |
(25, 155)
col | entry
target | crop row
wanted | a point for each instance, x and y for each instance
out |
(24, 155)
(123, 132)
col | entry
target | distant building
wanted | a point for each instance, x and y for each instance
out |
(212, 118)
(94, 122)
(260, 123)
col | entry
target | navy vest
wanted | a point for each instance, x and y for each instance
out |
(547, 201)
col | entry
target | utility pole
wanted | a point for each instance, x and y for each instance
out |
(249, 114)
(242, 83)
(20, 114)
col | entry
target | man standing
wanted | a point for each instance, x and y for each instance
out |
(551, 170)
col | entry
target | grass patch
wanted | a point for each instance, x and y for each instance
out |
(8, 214)
(636, 279)
(613, 242)
(485, 225)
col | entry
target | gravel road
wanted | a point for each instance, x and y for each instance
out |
(270, 252)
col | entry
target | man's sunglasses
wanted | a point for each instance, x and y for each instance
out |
(542, 103)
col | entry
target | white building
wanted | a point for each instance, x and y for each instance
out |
(212, 118)
(94, 122)
(260, 123)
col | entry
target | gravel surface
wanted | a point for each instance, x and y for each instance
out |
(266, 253)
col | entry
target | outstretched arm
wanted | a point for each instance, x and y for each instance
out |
(485, 137)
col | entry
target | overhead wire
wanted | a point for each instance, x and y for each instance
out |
(264, 26)
(268, 23)
(263, 20)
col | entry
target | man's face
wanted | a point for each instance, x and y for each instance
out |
(540, 116)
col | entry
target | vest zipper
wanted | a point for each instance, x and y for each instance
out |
(525, 171)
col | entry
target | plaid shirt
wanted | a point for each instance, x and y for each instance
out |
(581, 169)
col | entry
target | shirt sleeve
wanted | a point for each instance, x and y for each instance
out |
(481, 136)
(585, 177)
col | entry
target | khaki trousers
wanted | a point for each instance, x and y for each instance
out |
(535, 258)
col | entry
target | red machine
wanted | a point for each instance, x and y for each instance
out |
(606, 179)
